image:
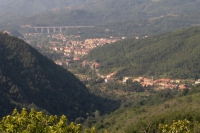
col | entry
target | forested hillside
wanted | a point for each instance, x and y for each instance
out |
(174, 54)
(28, 79)
(167, 107)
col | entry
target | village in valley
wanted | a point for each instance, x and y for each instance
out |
(71, 49)
(156, 84)
(76, 49)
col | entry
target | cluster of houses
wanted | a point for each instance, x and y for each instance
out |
(158, 84)
(163, 83)
(70, 48)
(76, 49)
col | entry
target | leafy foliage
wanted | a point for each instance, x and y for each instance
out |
(38, 122)
(180, 126)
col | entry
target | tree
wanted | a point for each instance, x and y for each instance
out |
(38, 122)
(180, 126)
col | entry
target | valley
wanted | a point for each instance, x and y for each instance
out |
(74, 53)
(71, 51)
(100, 66)
(129, 90)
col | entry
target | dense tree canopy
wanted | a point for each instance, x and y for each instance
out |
(174, 54)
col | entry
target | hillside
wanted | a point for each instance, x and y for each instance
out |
(61, 18)
(21, 8)
(134, 9)
(174, 54)
(28, 79)
(154, 26)
(146, 115)
(36, 6)
(104, 11)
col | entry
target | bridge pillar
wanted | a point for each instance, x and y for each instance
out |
(48, 30)
(60, 29)
(42, 29)
(35, 29)
(54, 29)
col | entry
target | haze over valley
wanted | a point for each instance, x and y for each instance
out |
(99, 66)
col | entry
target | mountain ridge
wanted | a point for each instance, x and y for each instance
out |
(30, 79)
(109, 11)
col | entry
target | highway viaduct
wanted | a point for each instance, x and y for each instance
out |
(55, 28)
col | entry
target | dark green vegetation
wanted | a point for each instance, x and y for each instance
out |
(28, 79)
(175, 54)
(127, 93)
(163, 107)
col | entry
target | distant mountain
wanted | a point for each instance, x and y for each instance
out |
(117, 10)
(104, 11)
(28, 79)
(128, 18)
(142, 8)
(153, 26)
(174, 54)
(13, 9)
(60, 18)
